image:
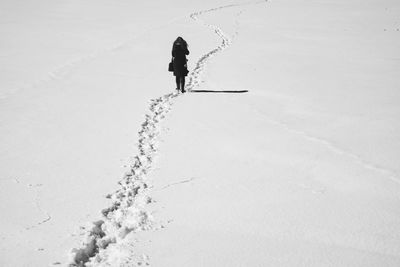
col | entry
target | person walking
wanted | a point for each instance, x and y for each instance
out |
(179, 52)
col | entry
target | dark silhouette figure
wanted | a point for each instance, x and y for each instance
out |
(179, 52)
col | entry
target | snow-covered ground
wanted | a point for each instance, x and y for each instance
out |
(285, 153)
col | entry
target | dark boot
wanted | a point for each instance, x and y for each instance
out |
(178, 83)
(183, 84)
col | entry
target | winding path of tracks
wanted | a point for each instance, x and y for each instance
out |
(127, 213)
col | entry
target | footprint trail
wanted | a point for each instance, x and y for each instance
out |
(128, 212)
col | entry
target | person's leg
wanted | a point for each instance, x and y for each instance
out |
(183, 84)
(178, 82)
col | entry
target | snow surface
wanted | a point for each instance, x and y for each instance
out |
(284, 153)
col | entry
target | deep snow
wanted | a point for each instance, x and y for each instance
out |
(299, 168)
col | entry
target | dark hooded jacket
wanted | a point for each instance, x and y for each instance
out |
(179, 52)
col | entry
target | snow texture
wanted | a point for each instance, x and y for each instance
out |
(293, 163)
(105, 241)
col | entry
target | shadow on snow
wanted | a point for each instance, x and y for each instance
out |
(220, 91)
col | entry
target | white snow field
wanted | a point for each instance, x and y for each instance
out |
(285, 152)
